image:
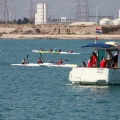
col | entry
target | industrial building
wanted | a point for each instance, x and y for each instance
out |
(107, 21)
(41, 15)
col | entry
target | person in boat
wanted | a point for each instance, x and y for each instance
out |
(103, 63)
(115, 60)
(40, 61)
(71, 51)
(41, 49)
(59, 50)
(90, 62)
(55, 50)
(24, 61)
(50, 50)
(94, 57)
(60, 62)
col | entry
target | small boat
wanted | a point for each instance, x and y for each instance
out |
(63, 65)
(97, 75)
(53, 52)
(30, 64)
(46, 64)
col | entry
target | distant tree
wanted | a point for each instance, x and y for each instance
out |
(25, 20)
(19, 21)
(14, 21)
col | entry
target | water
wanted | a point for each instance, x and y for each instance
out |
(45, 93)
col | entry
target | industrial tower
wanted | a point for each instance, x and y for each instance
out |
(31, 10)
(82, 12)
(9, 10)
(6, 13)
(12, 8)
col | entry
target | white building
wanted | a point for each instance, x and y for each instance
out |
(63, 19)
(41, 15)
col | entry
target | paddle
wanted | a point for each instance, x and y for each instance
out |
(41, 57)
(57, 61)
(27, 60)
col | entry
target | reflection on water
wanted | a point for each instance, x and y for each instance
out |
(91, 88)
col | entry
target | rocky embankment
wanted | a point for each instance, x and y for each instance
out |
(56, 29)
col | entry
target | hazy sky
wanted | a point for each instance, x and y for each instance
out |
(62, 8)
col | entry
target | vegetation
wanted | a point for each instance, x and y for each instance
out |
(19, 21)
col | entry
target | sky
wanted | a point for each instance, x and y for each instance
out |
(61, 8)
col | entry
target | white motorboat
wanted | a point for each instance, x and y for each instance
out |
(97, 75)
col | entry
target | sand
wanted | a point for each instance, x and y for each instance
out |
(78, 37)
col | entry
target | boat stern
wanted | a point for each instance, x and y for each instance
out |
(89, 75)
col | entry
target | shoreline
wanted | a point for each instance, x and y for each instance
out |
(70, 37)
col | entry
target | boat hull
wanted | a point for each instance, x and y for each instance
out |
(91, 76)
(48, 52)
(31, 64)
(46, 64)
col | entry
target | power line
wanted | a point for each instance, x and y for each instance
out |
(6, 13)
(82, 10)
(31, 10)
(12, 7)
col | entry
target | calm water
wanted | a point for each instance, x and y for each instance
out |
(45, 93)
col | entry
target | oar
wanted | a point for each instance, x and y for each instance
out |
(41, 57)
(57, 61)
(27, 59)
(66, 60)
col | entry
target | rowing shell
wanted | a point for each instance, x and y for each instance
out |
(48, 52)
(32, 64)
(46, 64)
(63, 65)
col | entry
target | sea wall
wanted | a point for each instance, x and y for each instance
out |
(111, 29)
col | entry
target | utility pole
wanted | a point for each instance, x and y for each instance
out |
(1, 10)
(12, 6)
(78, 10)
(6, 13)
(82, 13)
(31, 11)
(86, 11)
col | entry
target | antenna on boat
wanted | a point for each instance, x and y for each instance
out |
(96, 38)
(118, 43)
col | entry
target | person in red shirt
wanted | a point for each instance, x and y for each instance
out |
(94, 57)
(90, 62)
(103, 63)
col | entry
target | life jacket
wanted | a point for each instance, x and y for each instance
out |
(103, 63)
(89, 64)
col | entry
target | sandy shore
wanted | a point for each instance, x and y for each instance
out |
(78, 37)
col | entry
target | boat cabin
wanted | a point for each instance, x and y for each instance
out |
(108, 51)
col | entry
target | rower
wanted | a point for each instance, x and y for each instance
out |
(71, 51)
(50, 50)
(41, 49)
(60, 62)
(55, 50)
(24, 61)
(40, 61)
(59, 50)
